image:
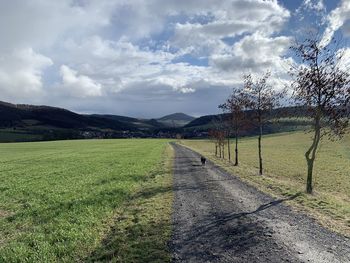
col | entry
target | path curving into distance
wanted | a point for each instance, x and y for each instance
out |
(218, 218)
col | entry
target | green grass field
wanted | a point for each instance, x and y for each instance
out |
(67, 201)
(285, 172)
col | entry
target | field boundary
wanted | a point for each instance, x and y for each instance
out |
(141, 228)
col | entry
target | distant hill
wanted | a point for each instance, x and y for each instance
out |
(176, 120)
(282, 120)
(21, 115)
(21, 122)
(134, 122)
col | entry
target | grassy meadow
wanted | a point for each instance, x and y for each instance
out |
(100, 200)
(285, 172)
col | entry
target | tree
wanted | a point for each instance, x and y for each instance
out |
(178, 137)
(234, 107)
(218, 134)
(261, 99)
(213, 135)
(323, 86)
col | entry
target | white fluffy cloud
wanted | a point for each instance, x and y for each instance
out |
(336, 20)
(238, 17)
(29, 28)
(39, 23)
(21, 74)
(79, 85)
(119, 64)
(344, 63)
(254, 53)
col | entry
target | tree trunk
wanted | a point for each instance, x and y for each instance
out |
(236, 150)
(260, 157)
(223, 151)
(310, 167)
(229, 148)
(220, 149)
(259, 149)
(216, 149)
(310, 156)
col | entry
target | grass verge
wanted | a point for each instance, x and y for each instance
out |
(285, 173)
(59, 199)
(141, 228)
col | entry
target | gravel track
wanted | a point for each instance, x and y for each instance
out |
(218, 218)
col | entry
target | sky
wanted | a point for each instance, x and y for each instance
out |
(149, 58)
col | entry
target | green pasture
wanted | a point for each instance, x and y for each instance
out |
(71, 201)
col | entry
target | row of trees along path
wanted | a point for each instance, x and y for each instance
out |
(320, 83)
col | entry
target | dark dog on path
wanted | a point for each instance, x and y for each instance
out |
(203, 160)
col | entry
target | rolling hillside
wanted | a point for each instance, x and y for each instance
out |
(282, 120)
(20, 115)
(21, 122)
(176, 120)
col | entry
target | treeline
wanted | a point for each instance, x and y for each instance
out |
(320, 84)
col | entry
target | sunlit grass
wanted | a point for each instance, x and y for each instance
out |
(58, 200)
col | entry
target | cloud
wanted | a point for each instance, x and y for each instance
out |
(255, 54)
(237, 18)
(21, 74)
(344, 62)
(40, 23)
(117, 64)
(79, 85)
(316, 5)
(336, 19)
(93, 55)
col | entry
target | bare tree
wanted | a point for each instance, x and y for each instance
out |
(234, 107)
(213, 135)
(178, 137)
(218, 133)
(321, 85)
(262, 99)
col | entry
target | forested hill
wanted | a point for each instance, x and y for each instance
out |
(21, 116)
(176, 120)
(21, 122)
(282, 119)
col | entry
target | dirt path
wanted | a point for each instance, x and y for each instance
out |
(218, 218)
